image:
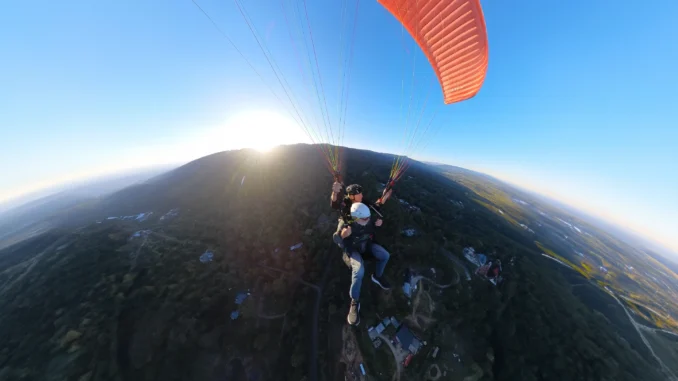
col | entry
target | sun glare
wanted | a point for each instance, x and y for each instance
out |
(260, 130)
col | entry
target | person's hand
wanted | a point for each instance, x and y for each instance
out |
(346, 232)
(385, 196)
(378, 222)
(336, 187)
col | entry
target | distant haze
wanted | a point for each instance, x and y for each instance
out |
(590, 214)
(98, 185)
(94, 186)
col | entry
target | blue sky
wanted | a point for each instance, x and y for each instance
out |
(579, 100)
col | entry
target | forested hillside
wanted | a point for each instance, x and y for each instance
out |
(197, 275)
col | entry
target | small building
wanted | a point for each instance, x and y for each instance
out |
(526, 228)
(470, 255)
(407, 340)
(241, 297)
(458, 203)
(172, 213)
(372, 333)
(491, 271)
(409, 232)
(207, 257)
(408, 288)
(395, 322)
(374, 336)
(143, 216)
(482, 270)
(380, 328)
(407, 285)
(386, 322)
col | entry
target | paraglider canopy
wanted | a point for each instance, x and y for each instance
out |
(453, 37)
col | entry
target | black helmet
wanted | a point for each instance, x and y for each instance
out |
(354, 189)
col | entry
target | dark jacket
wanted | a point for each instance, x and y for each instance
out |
(361, 236)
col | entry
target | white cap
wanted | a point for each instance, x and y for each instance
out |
(359, 210)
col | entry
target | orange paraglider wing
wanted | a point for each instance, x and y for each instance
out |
(453, 37)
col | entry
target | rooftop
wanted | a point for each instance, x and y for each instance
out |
(241, 297)
(408, 340)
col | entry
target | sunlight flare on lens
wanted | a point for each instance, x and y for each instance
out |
(261, 130)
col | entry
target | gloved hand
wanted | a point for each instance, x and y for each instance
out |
(387, 194)
(336, 187)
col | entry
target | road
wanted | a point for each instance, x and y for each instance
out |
(418, 278)
(459, 263)
(133, 260)
(272, 317)
(655, 330)
(639, 328)
(398, 359)
(662, 314)
(313, 354)
(293, 276)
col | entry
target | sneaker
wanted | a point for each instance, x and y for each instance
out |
(353, 317)
(381, 281)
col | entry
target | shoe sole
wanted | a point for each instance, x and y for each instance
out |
(358, 321)
(379, 284)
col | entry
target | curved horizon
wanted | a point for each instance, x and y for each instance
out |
(42, 190)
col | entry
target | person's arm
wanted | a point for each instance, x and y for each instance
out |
(341, 226)
(336, 204)
(346, 232)
(345, 235)
(375, 207)
(334, 198)
(384, 197)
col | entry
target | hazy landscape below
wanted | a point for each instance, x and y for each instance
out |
(30, 214)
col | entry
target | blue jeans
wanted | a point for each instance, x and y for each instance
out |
(358, 267)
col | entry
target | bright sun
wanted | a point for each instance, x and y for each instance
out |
(261, 130)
